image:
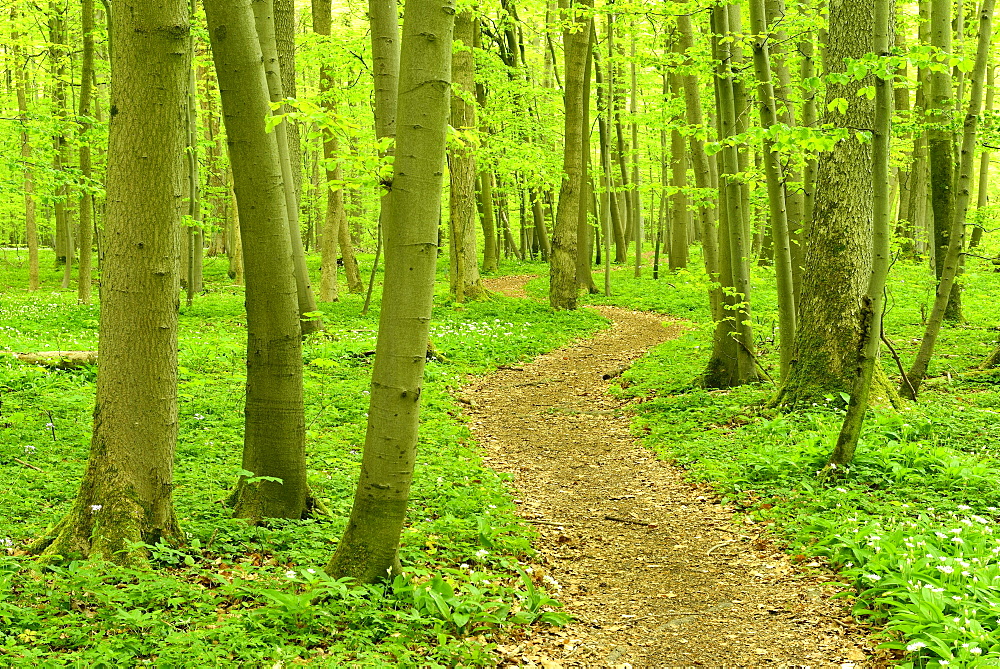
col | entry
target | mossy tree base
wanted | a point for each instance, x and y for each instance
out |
(256, 501)
(799, 392)
(116, 529)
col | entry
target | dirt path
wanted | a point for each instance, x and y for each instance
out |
(652, 568)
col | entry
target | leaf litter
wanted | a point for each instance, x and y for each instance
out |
(653, 568)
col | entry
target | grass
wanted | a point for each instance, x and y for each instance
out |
(910, 528)
(236, 594)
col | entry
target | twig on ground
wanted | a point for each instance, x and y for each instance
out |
(720, 545)
(26, 464)
(631, 521)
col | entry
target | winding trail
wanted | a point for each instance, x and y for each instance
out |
(652, 567)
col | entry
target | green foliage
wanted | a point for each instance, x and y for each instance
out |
(910, 526)
(236, 594)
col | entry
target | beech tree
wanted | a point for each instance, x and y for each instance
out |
(369, 549)
(126, 496)
(274, 436)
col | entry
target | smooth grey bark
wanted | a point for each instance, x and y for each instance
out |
(984, 165)
(941, 147)
(774, 173)
(274, 439)
(951, 260)
(263, 11)
(86, 195)
(369, 549)
(28, 178)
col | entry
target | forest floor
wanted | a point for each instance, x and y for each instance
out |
(653, 568)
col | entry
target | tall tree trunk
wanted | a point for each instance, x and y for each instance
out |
(701, 163)
(941, 147)
(951, 260)
(21, 86)
(126, 493)
(733, 359)
(284, 36)
(634, 158)
(807, 69)
(484, 182)
(982, 198)
(775, 187)
(462, 194)
(329, 291)
(274, 440)
(263, 11)
(86, 234)
(680, 213)
(369, 549)
(563, 287)
(871, 310)
(839, 239)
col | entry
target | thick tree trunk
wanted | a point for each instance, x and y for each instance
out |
(274, 441)
(126, 493)
(871, 324)
(563, 287)
(369, 549)
(838, 247)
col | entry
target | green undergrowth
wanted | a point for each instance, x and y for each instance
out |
(912, 525)
(237, 595)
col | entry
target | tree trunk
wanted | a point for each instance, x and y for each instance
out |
(126, 493)
(733, 360)
(702, 167)
(951, 260)
(839, 239)
(775, 187)
(462, 194)
(21, 85)
(563, 287)
(871, 310)
(263, 11)
(274, 441)
(369, 549)
(284, 39)
(680, 214)
(86, 234)
(982, 198)
(941, 147)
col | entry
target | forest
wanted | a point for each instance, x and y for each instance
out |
(439, 334)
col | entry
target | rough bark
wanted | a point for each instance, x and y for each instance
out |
(126, 493)
(369, 549)
(274, 440)
(874, 300)
(838, 244)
